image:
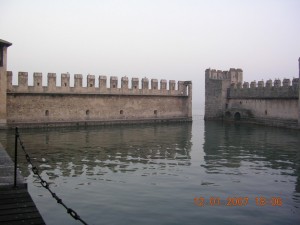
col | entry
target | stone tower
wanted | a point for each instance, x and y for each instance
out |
(217, 83)
(3, 81)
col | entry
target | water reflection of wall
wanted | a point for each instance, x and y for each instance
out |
(227, 146)
(99, 150)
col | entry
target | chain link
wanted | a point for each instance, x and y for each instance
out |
(45, 184)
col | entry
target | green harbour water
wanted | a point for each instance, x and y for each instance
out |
(162, 173)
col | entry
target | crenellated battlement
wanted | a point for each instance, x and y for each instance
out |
(147, 87)
(269, 84)
(270, 89)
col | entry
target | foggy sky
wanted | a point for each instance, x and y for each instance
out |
(162, 39)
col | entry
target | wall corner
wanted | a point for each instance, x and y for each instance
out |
(3, 82)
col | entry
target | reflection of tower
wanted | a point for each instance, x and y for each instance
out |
(3, 84)
(218, 146)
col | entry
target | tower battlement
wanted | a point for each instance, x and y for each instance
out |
(233, 75)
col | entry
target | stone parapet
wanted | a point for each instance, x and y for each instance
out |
(134, 89)
(276, 89)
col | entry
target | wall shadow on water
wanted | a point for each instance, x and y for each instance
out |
(100, 150)
(228, 146)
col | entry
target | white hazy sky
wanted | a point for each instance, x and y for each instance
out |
(170, 39)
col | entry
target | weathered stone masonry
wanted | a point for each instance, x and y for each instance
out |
(63, 105)
(271, 103)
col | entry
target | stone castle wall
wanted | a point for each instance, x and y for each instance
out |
(276, 112)
(53, 105)
(227, 97)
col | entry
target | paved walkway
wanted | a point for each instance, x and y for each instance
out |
(7, 171)
(16, 205)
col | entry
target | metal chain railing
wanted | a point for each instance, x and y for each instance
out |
(44, 183)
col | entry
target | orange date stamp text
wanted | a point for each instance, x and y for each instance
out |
(237, 201)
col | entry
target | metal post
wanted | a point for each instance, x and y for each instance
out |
(16, 156)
